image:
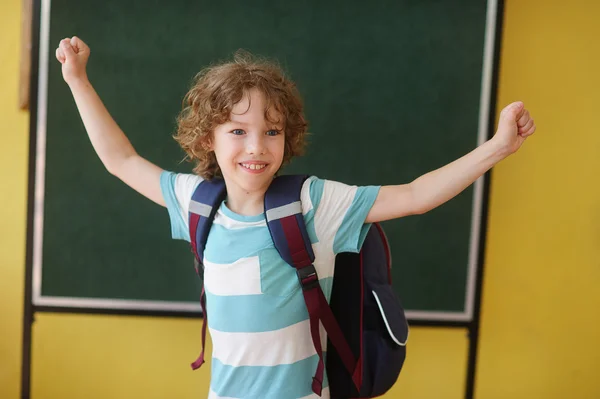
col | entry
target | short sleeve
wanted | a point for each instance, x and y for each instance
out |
(177, 190)
(338, 212)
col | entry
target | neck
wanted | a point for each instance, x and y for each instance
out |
(245, 203)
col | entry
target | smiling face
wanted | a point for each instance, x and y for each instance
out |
(249, 147)
(207, 109)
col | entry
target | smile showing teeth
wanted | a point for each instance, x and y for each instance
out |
(253, 166)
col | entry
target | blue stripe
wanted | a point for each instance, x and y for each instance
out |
(259, 313)
(353, 230)
(326, 286)
(276, 276)
(254, 313)
(167, 187)
(286, 381)
(228, 246)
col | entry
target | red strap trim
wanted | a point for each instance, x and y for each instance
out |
(194, 219)
(295, 241)
(388, 256)
(357, 377)
(200, 361)
(311, 298)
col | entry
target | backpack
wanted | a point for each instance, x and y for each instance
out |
(365, 323)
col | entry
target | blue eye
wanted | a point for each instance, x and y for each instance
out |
(237, 132)
(273, 132)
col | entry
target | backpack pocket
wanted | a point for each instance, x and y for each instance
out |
(392, 313)
(384, 340)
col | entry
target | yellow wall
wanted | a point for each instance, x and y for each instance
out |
(540, 318)
(13, 195)
(541, 305)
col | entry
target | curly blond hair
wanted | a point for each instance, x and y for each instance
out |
(214, 92)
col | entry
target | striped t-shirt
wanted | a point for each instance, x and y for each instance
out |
(257, 318)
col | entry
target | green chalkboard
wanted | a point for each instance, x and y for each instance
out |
(393, 89)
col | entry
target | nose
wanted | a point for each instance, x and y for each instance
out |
(255, 144)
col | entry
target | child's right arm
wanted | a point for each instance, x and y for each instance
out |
(112, 146)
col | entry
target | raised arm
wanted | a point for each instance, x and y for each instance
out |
(112, 146)
(439, 186)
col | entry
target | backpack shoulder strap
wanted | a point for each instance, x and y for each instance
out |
(283, 211)
(203, 206)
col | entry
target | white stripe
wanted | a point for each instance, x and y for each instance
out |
(232, 224)
(284, 211)
(307, 204)
(335, 202)
(324, 259)
(387, 325)
(271, 348)
(324, 256)
(241, 277)
(184, 187)
(200, 208)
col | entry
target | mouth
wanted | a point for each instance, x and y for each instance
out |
(254, 167)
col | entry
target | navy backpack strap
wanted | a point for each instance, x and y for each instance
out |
(203, 206)
(283, 210)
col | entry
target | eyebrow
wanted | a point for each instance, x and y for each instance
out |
(272, 126)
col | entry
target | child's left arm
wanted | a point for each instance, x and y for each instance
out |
(435, 188)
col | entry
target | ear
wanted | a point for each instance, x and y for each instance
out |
(207, 145)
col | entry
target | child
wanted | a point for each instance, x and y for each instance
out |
(243, 120)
